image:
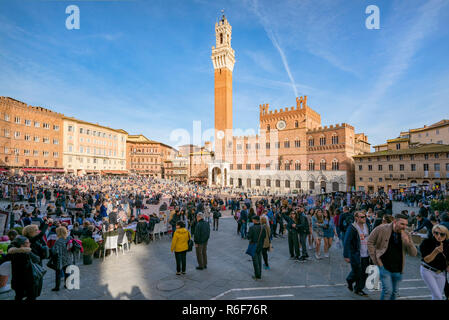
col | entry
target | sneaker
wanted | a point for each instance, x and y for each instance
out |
(266, 267)
(292, 258)
(55, 289)
(183, 273)
(326, 254)
(199, 268)
(205, 267)
(317, 257)
(301, 259)
(255, 278)
(178, 273)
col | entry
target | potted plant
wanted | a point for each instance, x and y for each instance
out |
(89, 247)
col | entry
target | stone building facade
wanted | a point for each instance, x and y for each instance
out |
(293, 151)
(405, 162)
(91, 148)
(147, 157)
(31, 138)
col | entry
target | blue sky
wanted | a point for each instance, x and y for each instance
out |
(144, 65)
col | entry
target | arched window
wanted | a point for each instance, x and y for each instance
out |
(268, 127)
(287, 183)
(335, 164)
(286, 143)
(298, 184)
(297, 143)
(257, 182)
(268, 183)
(297, 165)
(311, 185)
(323, 141)
(278, 183)
(221, 38)
(248, 183)
(311, 165)
(323, 164)
(287, 165)
(311, 142)
(334, 139)
(296, 124)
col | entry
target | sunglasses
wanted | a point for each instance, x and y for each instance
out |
(362, 217)
(439, 234)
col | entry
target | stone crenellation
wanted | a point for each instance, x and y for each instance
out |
(10, 102)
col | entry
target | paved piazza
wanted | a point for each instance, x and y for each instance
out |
(148, 272)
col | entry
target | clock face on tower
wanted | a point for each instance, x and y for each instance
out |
(220, 134)
(281, 125)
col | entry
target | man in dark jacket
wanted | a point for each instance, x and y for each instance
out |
(293, 243)
(356, 252)
(201, 236)
(424, 222)
(256, 235)
(244, 222)
(303, 231)
(346, 219)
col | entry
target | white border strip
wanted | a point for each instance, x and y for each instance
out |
(296, 287)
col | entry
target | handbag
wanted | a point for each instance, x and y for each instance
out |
(252, 247)
(190, 243)
(38, 271)
(52, 262)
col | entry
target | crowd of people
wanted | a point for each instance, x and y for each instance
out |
(362, 226)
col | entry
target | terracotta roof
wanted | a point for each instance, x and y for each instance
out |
(427, 148)
(398, 140)
(441, 123)
(93, 124)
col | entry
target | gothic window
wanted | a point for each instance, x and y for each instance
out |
(322, 141)
(334, 139)
(296, 124)
(311, 165)
(268, 127)
(297, 166)
(335, 164)
(298, 184)
(221, 38)
(297, 144)
(311, 142)
(323, 164)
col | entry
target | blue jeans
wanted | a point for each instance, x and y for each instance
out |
(243, 232)
(390, 283)
(138, 212)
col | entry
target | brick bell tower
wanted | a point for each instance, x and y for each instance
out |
(223, 60)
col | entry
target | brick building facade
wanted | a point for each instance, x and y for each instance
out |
(292, 153)
(31, 138)
(148, 157)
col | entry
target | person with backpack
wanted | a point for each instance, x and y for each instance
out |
(61, 257)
